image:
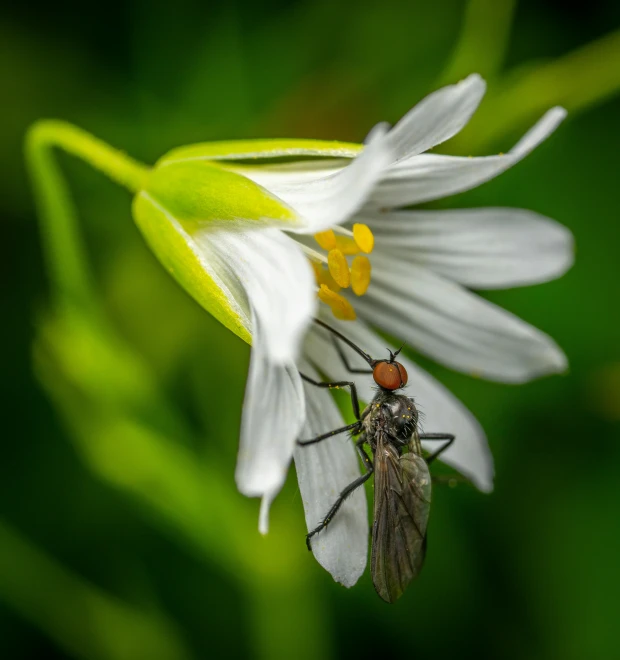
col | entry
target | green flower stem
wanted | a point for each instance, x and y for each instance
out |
(64, 249)
(483, 40)
(577, 81)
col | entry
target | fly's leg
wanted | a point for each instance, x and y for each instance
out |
(341, 383)
(340, 336)
(337, 504)
(453, 479)
(343, 357)
(345, 493)
(356, 427)
(449, 437)
(359, 445)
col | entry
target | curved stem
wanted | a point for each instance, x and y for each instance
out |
(483, 40)
(67, 263)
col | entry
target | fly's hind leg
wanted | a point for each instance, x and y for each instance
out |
(452, 479)
(346, 492)
(448, 437)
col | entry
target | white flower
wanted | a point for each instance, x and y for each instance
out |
(248, 263)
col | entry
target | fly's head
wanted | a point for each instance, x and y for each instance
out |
(389, 374)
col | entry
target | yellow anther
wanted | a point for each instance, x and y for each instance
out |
(326, 239)
(341, 307)
(339, 268)
(363, 237)
(329, 281)
(347, 245)
(360, 275)
(322, 276)
(317, 268)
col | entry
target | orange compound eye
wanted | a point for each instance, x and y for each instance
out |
(390, 375)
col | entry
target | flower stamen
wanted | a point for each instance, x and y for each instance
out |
(363, 237)
(340, 243)
(360, 275)
(323, 276)
(340, 306)
(326, 239)
(347, 245)
(339, 268)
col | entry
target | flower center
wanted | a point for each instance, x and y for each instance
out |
(344, 266)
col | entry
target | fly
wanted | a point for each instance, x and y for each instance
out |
(389, 425)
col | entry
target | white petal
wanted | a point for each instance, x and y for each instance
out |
(452, 325)
(273, 415)
(437, 118)
(324, 470)
(331, 200)
(276, 278)
(285, 174)
(278, 283)
(429, 176)
(490, 248)
(440, 410)
(265, 505)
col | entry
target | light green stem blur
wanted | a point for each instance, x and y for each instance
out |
(581, 79)
(67, 263)
(483, 40)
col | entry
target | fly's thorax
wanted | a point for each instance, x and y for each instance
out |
(392, 414)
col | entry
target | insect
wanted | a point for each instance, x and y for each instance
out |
(389, 425)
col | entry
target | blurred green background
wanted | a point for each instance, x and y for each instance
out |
(122, 536)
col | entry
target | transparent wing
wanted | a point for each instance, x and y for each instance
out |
(402, 504)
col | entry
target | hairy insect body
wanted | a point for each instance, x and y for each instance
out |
(395, 417)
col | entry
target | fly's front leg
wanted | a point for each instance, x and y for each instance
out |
(343, 357)
(346, 492)
(341, 383)
(448, 437)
